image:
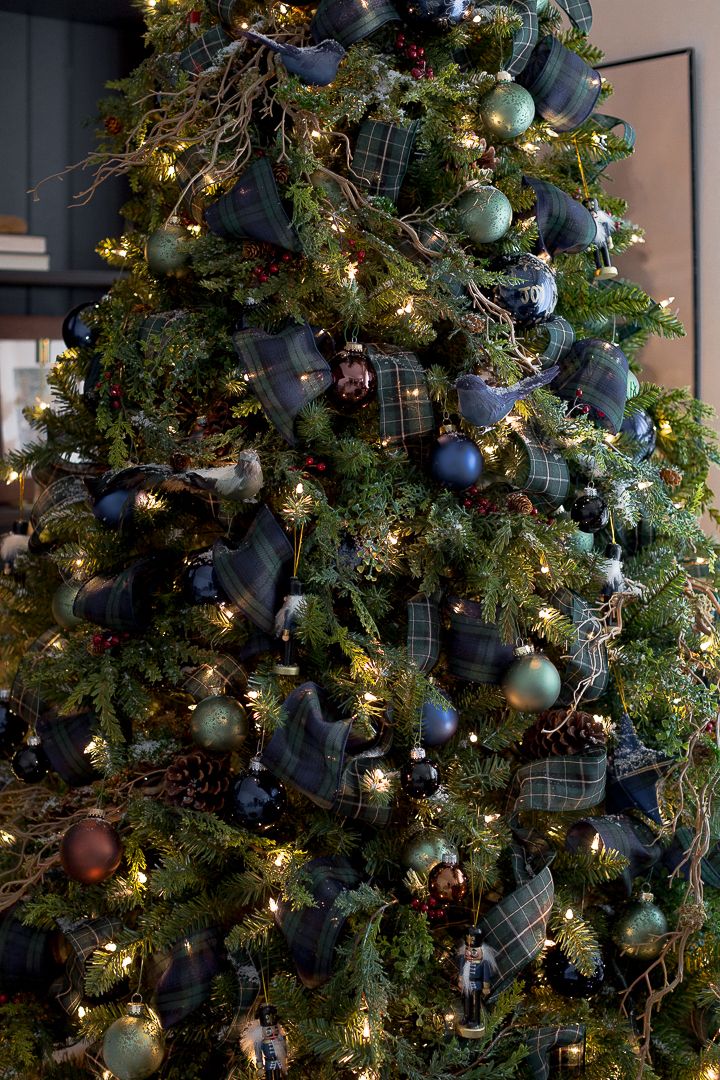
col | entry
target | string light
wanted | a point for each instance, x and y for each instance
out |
(665, 427)
(141, 877)
(110, 947)
(273, 904)
(569, 914)
(6, 837)
(706, 644)
(126, 961)
(473, 737)
(545, 613)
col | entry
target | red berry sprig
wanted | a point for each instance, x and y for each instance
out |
(103, 642)
(474, 500)
(410, 50)
(315, 464)
(271, 268)
(431, 907)
(115, 391)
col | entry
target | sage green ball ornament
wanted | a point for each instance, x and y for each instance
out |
(542, 6)
(641, 928)
(166, 250)
(62, 605)
(219, 723)
(485, 213)
(581, 541)
(633, 386)
(532, 682)
(426, 850)
(507, 111)
(134, 1045)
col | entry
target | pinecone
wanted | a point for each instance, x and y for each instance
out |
(113, 125)
(197, 781)
(476, 324)
(281, 172)
(519, 503)
(255, 249)
(672, 477)
(488, 159)
(549, 735)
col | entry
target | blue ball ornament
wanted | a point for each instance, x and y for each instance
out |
(114, 508)
(456, 462)
(438, 722)
(435, 13)
(639, 427)
(534, 297)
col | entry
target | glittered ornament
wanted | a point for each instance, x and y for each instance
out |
(438, 723)
(456, 462)
(425, 850)
(633, 385)
(566, 979)
(62, 605)
(12, 728)
(640, 930)
(640, 429)
(533, 298)
(590, 512)
(446, 882)
(581, 541)
(75, 331)
(29, 763)
(435, 14)
(219, 723)
(256, 800)
(200, 584)
(354, 381)
(420, 776)
(485, 213)
(91, 851)
(134, 1045)
(532, 682)
(507, 111)
(166, 249)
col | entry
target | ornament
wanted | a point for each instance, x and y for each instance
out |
(75, 331)
(566, 979)
(265, 1045)
(589, 512)
(286, 622)
(29, 763)
(582, 541)
(508, 110)
(602, 245)
(115, 508)
(134, 1045)
(485, 213)
(438, 722)
(256, 800)
(437, 14)
(640, 929)
(532, 682)
(633, 386)
(91, 851)
(197, 781)
(354, 381)
(14, 544)
(446, 882)
(614, 578)
(200, 584)
(638, 426)
(12, 727)
(456, 462)
(534, 297)
(476, 970)
(165, 250)
(62, 605)
(420, 776)
(219, 723)
(425, 850)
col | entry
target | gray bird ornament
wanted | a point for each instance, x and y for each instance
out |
(484, 405)
(315, 64)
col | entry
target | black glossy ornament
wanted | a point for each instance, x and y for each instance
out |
(456, 462)
(590, 512)
(567, 980)
(256, 800)
(639, 427)
(75, 331)
(532, 299)
(29, 763)
(200, 585)
(420, 776)
(437, 14)
(12, 729)
(354, 381)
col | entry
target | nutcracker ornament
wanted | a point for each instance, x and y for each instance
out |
(265, 1045)
(602, 247)
(286, 622)
(477, 969)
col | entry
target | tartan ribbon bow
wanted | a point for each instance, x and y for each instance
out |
(254, 575)
(564, 224)
(631, 838)
(423, 631)
(58, 499)
(382, 155)
(406, 413)
(533, 467)
(349, 21)
(567, 782)
(556, 337)
(475, 651)
(585, 671)
(83, 938)
(524, 38)
(579, 12)
(516, 927)
(189, 969)
(204, 51)
(119, 601)
(564, 87)
(253, 209)
(25, 701)
(541, 1040)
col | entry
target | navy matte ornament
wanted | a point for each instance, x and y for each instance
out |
(456, 462)
(590, 512)
(567, 980)
(256, 800)
(75, 331)
(534, 298)
(420, 776)
(114, 508)
(639, 427)
(435, 13)
(438, 722)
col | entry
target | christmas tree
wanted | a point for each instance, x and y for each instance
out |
(361, 646)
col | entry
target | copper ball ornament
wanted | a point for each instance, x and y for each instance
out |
(354, 381)
(91, 851)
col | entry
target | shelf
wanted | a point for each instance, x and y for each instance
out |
(30, 327)
(60, 279)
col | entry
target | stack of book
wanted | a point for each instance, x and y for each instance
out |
(18, 251)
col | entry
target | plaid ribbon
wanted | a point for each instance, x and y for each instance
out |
(540, 1041)
(556, 337)
(84, 938)
(566, 782)
(252, 208)
(223, 676)
(154, 326)
(120, 602)
(349, 21)
(579, 12)
(27, 960)
(475, 651)
(255, 575)
(353, 798)
(539, 471)
(202, 53)
(564, 224)
(516, 927)
(633, 773)
(186, 982)
(586, 663)
(24, 701)
(382, 155)
(285, 370)
(64, 739)
(423, 632)
(634, 538)
(133, 478)
(227, 11)
(607, 123)
(564, 87)
(524, 39)
(630, 838)
(600, 370)
(406, 413)
(56, 501)
(313, 932)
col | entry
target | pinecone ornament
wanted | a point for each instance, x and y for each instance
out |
(281, 172)
(197, 781)
(476, 324)
(553, 734)
(113, 125)
(255, 249)
(672, 477)
(519, 503)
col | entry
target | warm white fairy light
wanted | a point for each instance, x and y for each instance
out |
(545, 613)
(141, 877)
(110, 947)
(706, 644)
(569, 914)
(126, 961)
(473, 737)
(273, 904)
(6, 837)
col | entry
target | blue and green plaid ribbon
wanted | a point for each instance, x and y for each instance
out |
(253, 209)
(186, 982)
(600, 370)
(348, 21)
(475, 651)
(121, 601)
(540, 1041)
(564, 782)
(585, 667)
(631, 838)
(525, 38)
(202, 53)
(84, 938)
(27, 959)
(537, 470)
(25, 701)
(579, 12)
(555, 338)
(224, 675)
(516, 927)
(382, 155)
(285, 372)
(60, 498)
(564, 87)
(406, 413)
(423, 632)
(564, 224)
(255, 575)
(64, 741)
